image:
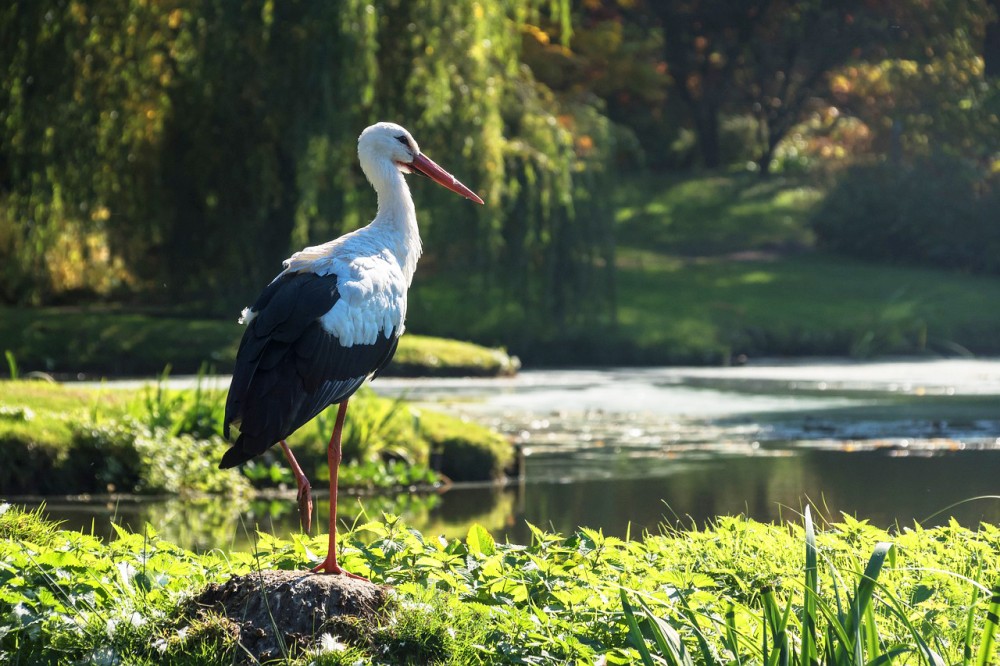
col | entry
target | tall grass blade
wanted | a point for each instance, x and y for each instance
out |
(896, 608)
(730, 639)
(11, 364)
(990, 630)
(670, 642)
(778, 623)
(862, 598)
(890, 654)
(810, 651)
(634, 633)
(869, 637)
(970, 618)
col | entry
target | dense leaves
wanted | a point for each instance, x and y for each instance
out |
(740, 79)
(938, 212)
(721, 593)
(183, 149)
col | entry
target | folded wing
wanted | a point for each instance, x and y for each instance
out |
(289, 368)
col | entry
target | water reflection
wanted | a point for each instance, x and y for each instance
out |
(633, 496)
(627, 451)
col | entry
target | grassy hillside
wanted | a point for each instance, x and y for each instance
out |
(720, 265)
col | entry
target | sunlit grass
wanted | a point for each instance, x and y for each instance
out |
(114, 342)
(808, 303)
(714, 213)
(60, 439)
(735, 592)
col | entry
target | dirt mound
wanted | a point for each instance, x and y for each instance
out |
(283, 612)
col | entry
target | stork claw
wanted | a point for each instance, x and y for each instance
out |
(330, 566)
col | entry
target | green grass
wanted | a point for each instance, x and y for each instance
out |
(60, 439)
(114, 342)
(806, 304)
(713, 266)
(700, 277)
(738, 592)
(421, 355)
(714, 214)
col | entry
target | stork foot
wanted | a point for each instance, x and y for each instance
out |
(330, 566)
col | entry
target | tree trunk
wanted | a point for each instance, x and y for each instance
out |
(706, 125)
(991, 44)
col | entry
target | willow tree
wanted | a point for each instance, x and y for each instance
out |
(201, 140)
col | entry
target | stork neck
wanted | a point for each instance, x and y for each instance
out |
(396, 217)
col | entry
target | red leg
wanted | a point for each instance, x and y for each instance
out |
(329, 565)
(305, 495)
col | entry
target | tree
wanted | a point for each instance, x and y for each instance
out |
(194, 143)
(991, 43)
(774, 58)
(704, 44)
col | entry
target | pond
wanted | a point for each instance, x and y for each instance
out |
(629, 450)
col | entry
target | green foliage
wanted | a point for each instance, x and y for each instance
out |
(11, 363)
(420, 356)
(382, 475)
(466, 451)
(159, 127)
(62, 440)
(729, 594)
(20, 525)
(938, 212)
(715, 213)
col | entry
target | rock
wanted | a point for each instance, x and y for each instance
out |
(284, 612)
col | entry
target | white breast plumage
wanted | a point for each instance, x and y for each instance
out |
(371, 283)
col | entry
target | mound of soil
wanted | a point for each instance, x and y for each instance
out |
(283, 612)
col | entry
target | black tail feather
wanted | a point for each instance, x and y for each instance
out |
(237, 454)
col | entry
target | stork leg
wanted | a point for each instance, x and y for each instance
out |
(304, 495)
(333, 455)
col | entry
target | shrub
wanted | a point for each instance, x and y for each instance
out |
(939, 211)
(103, 458)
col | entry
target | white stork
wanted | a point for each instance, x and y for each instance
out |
(330, 320)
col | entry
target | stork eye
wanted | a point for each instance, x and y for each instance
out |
(402, 139)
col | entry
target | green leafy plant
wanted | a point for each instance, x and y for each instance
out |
(736, 592)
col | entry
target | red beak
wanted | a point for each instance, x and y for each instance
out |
(427, 167)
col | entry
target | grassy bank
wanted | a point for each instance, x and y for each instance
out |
(738, 592)
(59, 439)
(675, 310)
(714, 266)
(115, 342)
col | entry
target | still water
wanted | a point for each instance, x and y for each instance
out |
(629, 450)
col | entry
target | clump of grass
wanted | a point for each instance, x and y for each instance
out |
(857, 625)
(18, 525)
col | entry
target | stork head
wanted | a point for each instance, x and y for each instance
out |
(389, 144)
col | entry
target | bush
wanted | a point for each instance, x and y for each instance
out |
(103, 458)
(939, 212)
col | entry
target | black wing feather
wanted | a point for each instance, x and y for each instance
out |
(289, 369)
